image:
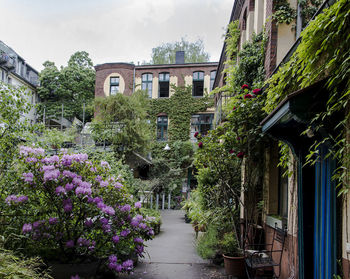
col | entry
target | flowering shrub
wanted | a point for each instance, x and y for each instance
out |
(79, 211)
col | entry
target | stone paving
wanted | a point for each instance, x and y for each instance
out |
(172, 254)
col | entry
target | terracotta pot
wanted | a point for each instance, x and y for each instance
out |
(234, 266)
(64, 271)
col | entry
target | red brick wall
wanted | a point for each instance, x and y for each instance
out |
(104, 70)
(271, 48)
(289, 262)
(346, 268)
(180, 72)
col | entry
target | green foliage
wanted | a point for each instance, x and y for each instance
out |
(322, 53)
(229, 244)
(231, 40)
(308, 9)
(208, 243)
(14, 267)
(122, 121)
(166, 53)
(250, 67)
(72, 86)
(13, 128)
(170, 167)
(179, 108)
(284, 13)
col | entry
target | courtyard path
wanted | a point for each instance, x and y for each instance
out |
(172, 254)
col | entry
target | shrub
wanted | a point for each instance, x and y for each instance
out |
(76, 211)
(208, 243)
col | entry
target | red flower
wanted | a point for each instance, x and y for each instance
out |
(245, 86)
(234, 108)
(240, 155)
(231, 151)
(196, 134)
(238, 138)
(248, 96)
(257, 91)
(200, 144)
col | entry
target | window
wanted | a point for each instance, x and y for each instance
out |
(114, 85)
(147, 84)
(198, 84)
(162, 128)
(201, 123)
(212, 78)
(163, 85)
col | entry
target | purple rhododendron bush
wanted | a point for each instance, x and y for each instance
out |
(75, 211)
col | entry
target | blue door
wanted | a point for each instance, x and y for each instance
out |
(325, 215)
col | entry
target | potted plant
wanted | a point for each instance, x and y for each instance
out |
(233, 255)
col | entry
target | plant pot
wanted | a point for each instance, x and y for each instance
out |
(234, 266)
(64, 271)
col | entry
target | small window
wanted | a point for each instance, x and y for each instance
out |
(212, 79)
(163, 85)
(114, 85)
(162, 128)
(198, 84)
(201, 123)
(147, 84)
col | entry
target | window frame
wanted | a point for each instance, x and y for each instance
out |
(148, 81)
(162, 126)
(114, 84)
(212, 79)
(198, 83)
(201, 123)
(164, 81)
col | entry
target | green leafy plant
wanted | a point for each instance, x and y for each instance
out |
(284, 13)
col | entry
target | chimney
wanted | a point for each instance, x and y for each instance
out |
(180, 57)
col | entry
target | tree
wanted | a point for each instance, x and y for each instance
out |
(122, 121)
(72, 86)
(166, 53)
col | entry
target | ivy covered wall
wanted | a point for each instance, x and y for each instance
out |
(179, 109)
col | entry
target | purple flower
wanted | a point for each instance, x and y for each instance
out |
(139, 217)
(118, 268)
(70, 174)
(11, 198)
(98, 178)
(83, 242)
(51, 175)
(138, 240)
(50, 160)
(28, 177)
(124, 233)
(112, 265)
(142, 226)
(26, 150)
(128, 265)
(37, 224)
(118, 185)
(139, 249)
(75, 277)
(67, 205)
(138, 204)
(105, 164)
(125, 208)
(104, 221)
(150, 232)
(134, 222)
(27, 228)
(48, 168)
(98, 200)
(88, 223)
(31, 160)
(112, 258)
(69, 187)
(53, 220)
(22, 199)
(108, 210)
(103, 183)
(115, 239)
(106, 228)
(60, 190)
(101, 205)
(70, 244)
(82, 191)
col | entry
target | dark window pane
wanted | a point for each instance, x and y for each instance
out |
(163, 89)
(198, 88)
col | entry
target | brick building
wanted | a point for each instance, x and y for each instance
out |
(156, 80)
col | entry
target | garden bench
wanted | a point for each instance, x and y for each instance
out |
(259, 258)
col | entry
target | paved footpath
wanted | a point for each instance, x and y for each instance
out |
(172, 253)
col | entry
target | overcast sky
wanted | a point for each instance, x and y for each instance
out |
(109, 30)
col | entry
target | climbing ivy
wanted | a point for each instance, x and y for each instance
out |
(284, 13)
(308, 9)
(179, 108)
(323, 53)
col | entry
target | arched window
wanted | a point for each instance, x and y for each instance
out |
(198, 84)
(147, 83)
(163, 85)
(162, 127)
